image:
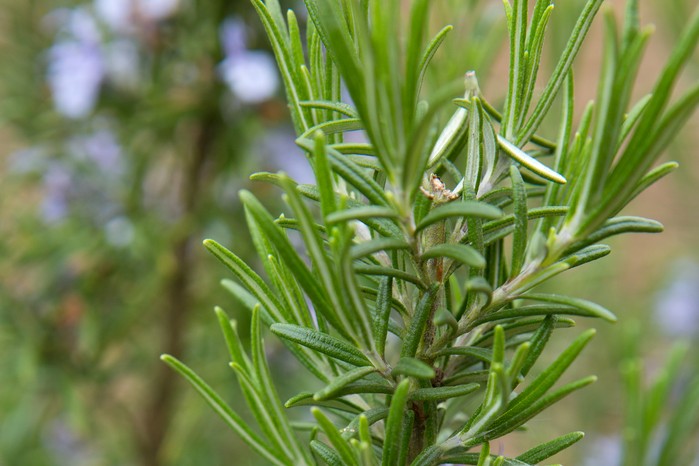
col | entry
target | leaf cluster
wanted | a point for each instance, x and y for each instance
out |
(412, 302)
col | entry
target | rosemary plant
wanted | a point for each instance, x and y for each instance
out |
(414, 298)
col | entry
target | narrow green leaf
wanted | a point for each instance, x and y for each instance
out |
(539, 277)
(372, 384)
(547, 378)
(513, 101)
(365, 440)
(481, 354)
(259, 215)
(411, 367)
(473, 458)
(536, 212)
(632, 118)
(337, 384)
(382, 226)
(248, 277)
(538, 343)
(339, 107)
(419, 19)
(323, 175)
(306, 399)
(451, 139)
(419, 321)
(394, 424)
(383, 313)
(459, 209)
(593, 309)
(367, 248)
(523, 326)
(428, 457)
(334, 127)
(444, 317)
(268, 393)
(519, 240)
(230, 334)
(538, 310)
(227, 414)
(467, 376)
(480, 286)
(356, 176)
(362, 213)
(561, 71)
(321, 342)
(653, 176)
(279, 40)
(406, 434)
(535, 44)
(429, 52)
(498, 345)
(372, 416)
(562, 152)
(295, 38)
(362, 154)
(518, 155)
(493, 403)
(326, 453)
(357, 312)
(263, 411)
(341, 445)
(459, 252)
(585, 255)
(443, 393)
(364, 269)
(484, 456)
(325, 272)
(548, 449)
(514, 418)
(475, 157)
(350, 172)
(624, 224)
(275, 12)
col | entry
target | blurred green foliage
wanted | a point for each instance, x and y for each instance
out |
(131, 149)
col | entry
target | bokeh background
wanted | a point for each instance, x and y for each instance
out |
(127, 129)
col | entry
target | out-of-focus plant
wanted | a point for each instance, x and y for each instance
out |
(661, 417)
(136, 118)
(413, 298)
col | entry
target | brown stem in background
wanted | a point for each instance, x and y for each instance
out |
(158, 412)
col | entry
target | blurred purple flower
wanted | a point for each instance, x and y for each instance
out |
(233, 37)
(250, 74)
(677, 305)
(76, 66)
(80, 25)
(117, 14)
(101, 148)
(57, 186)
(123, 16)
(156, 10)
(66, 446)
(75, 74)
